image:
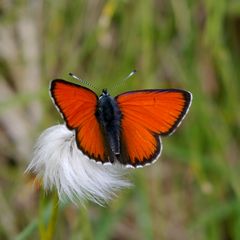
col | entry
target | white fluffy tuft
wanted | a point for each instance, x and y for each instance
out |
(58, 162)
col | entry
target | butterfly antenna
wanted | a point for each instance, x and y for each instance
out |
(83, 81)
(126, 78)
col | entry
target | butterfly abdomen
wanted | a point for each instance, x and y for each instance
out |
(109, 117)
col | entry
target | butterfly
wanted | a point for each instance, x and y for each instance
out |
(126, 128)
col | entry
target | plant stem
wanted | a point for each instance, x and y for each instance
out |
(53, 219)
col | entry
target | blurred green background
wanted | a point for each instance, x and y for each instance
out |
(193, 190)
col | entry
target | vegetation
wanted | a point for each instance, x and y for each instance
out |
(193, 190)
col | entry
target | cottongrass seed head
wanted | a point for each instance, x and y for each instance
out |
(59, 163)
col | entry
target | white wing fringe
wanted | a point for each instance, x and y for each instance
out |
(59, 163)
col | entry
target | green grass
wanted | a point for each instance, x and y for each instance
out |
(193, 190)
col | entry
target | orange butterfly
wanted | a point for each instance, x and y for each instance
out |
(126, 128)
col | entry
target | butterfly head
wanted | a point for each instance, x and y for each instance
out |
(104, 93)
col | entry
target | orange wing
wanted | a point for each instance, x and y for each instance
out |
(146, 115)
(78, 105)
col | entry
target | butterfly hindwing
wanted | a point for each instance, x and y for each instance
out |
(147, 115)
(78, 105)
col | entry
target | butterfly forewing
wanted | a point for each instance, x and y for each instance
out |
(78, 105)
(147, 114)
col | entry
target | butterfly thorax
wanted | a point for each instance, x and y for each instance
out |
(109, 116)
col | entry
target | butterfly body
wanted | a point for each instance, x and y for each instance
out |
(125, 128)
(109, 117)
